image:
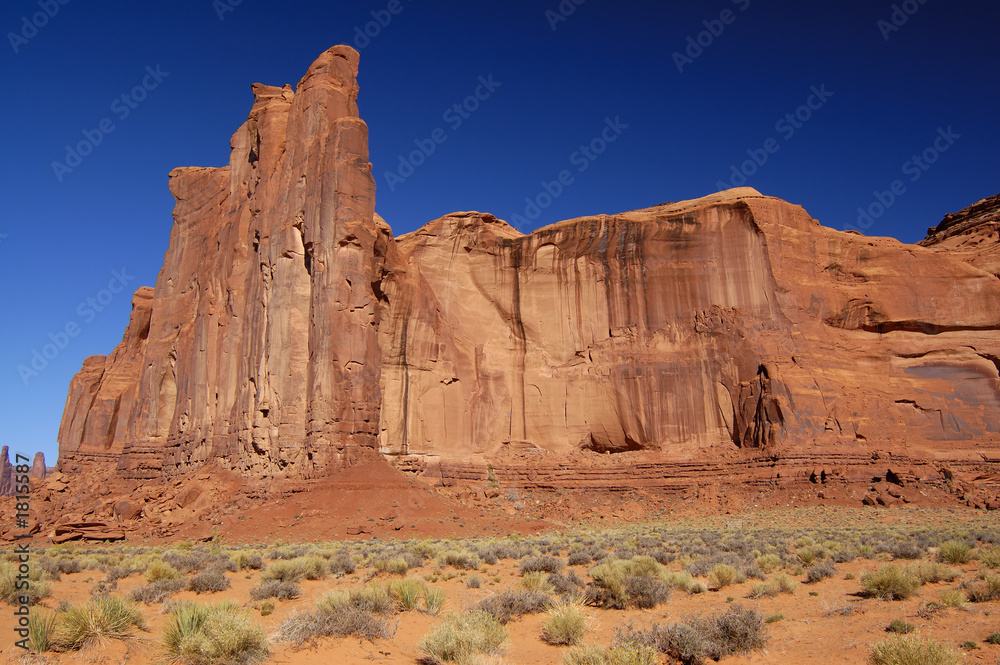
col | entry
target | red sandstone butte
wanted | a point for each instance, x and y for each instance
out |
(730, 336)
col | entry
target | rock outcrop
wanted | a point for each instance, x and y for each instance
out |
(729, 334)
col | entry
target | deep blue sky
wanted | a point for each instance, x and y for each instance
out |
(607, 60)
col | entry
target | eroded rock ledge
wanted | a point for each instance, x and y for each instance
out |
(731, 334)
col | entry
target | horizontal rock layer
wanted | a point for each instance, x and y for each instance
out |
(730, 334)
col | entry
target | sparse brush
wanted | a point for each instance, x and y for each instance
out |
(990, 557)
(157, 592)
(374, 598)
(565, 624)
(537, 581)
(724, 575)
(890, 582)
(248, 560)
(513, 604)
(303, 627)
(769, 562)
(899, 626)
(10, 581)
(984, 589)
(275, 589)
(474, 582)
(342, 564)
(912, 650)
(209, 634)
(210, 580)
(930, 572)
(394, 566)
(283, 570)
(820, 572)
(41, 629)
(461, 559)
(462, 637)
(159, 569)
(101, 618)
(406, 592)
(951, 598)
(434, 599)
(546, 564)
(955, 552)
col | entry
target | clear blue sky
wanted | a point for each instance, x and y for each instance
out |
(607, 60)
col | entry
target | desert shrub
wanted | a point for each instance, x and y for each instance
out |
(544, 564)
(159, 569)
(37, 588)
(990, 557)
(312, 567)
(623, 653)
(394, 566)
(694, 639)
(993, 638)
(769, 562)
(406, 592)
(288, 553)
(845, 555)
(780, 583)
(612, 581)
(566, 585)
(41, 630)
(374, 598)
(303, 627)
(102, 617)
(342, 564)
(578, 558)
(889, 582)
(955, 552)
(210, 580)
(157, 592)
(462, 637)
(434, 599)
(984, 589)
(930, 572)
(899, 626)
(723, 575)
(514, 604)
(209, 634)
(283, 570)
(536, 581)
(248, 560)
(275, 589)
(951, 598)
(645, 593)
(474, 582)
(912, 650)
(186, 562)
(461, 559)
(820, 572)
(565, 624)
(774, 618)
(906, 550)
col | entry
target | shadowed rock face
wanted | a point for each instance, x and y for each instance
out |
(288, 327)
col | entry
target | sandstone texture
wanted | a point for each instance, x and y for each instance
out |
(730, 336)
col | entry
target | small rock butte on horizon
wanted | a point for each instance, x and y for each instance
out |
(731, 334)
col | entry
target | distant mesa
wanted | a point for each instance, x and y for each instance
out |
(727, 337)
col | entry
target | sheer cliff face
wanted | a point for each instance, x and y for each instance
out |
(288, 327)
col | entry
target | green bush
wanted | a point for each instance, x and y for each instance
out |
(723, 575)
(462, 637)
(890, 582)
(406, 592)
(434, 599)
(220, 634)
(41, 630)
(159, 569)
(955, 552)
(565, 624)
(912, 650)
(102, 617)
(900, 626)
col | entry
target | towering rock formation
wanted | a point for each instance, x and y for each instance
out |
(288, 328)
